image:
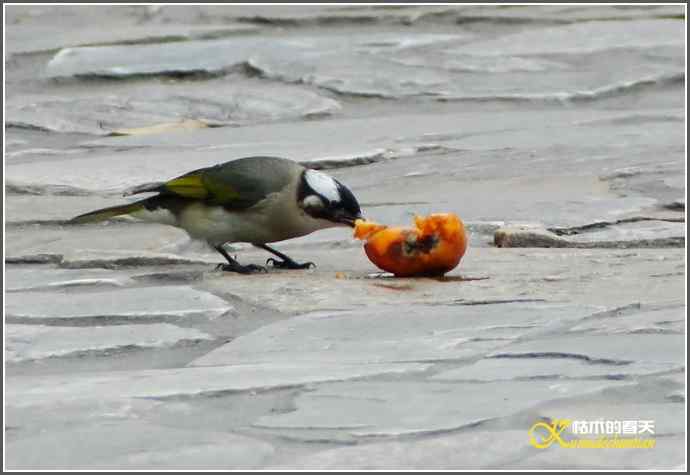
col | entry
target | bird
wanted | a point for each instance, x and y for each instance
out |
(257, 200)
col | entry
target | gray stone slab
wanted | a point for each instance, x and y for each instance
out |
(216, 55)
(620, 348)
(645, 233)
(94, 246)
(51, 209)
(36, 342)
(399, 334)
(320, 61)
(24, 38)
(678, 381)
(32, 278)
(586, 36)
(667, 416)
(456, 130)
(648, 230)
(346, 280)
(95, 388)
(375, 409)
(464, 450)
(502, 369)
(175, 107)
(664, 320)
(148, 303)
(135, 444)
(667, 454)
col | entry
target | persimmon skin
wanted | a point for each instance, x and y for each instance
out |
(433, 247)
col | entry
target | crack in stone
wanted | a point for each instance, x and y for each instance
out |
(569, 231)
(107, 320)
(553, 354)
(35, 259)
(543, 238)
(485, 302)
(116, 350)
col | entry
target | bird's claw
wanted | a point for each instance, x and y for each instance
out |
(256, 268)
(240, 269)
(288, 264)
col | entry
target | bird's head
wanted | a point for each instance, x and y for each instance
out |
(323, 197)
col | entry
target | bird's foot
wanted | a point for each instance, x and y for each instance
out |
(240, 269)
(289, 264)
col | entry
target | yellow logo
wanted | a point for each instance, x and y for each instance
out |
(544, 434)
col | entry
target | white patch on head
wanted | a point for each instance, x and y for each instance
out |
(313, 201)
(323, 184)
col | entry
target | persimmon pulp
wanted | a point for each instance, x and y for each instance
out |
(433, 247)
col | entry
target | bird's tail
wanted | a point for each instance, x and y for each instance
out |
(107, 213)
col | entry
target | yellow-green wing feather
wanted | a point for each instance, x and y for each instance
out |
(201, 185)
(238, 184)
(221, 191)
(188, 186)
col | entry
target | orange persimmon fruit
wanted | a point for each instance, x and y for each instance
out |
(433, 247)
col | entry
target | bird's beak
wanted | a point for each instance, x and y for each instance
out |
(350, 220)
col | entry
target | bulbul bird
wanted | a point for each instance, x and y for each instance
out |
(258, 200)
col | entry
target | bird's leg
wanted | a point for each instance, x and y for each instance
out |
(285, 262)
(234, 266)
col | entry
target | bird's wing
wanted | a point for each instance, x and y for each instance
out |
(238, 184)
